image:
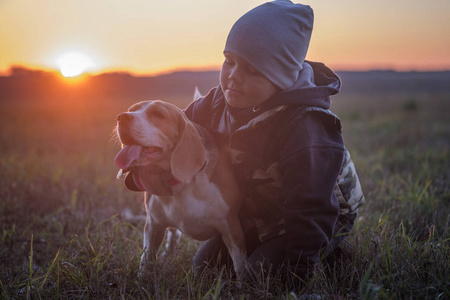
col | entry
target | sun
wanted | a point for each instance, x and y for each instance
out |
(72, 64)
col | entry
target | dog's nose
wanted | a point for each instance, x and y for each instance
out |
(125, 117)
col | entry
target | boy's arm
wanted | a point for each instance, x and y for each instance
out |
(311, 161)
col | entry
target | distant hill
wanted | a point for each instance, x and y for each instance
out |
(395, 82)
(29, 84)
(44, 85)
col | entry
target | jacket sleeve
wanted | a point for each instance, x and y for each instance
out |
(311, 159)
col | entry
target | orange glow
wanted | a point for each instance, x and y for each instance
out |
(143, 37)
(74, 80)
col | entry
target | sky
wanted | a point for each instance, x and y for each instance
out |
(156, 36)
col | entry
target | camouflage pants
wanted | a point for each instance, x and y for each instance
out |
(269, 254)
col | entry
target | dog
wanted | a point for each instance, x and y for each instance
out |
(186, 177)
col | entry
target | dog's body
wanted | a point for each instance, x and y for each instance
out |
(203, 199)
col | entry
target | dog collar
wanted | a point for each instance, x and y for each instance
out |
(153, 180)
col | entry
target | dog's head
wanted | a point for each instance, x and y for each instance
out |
(152, 132)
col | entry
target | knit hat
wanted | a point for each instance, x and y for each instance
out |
(274, 38)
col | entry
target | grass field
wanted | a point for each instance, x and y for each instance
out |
(62, 236)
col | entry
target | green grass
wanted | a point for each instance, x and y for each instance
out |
(62, 236)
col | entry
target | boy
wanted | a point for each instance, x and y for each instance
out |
(271, 108)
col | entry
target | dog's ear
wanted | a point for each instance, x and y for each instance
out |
(189, 154)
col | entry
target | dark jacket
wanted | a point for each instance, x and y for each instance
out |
(287, 155)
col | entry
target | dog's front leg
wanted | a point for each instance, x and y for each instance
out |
(153, 236)
(153, 233)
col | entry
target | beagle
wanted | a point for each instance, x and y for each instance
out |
(187, 179)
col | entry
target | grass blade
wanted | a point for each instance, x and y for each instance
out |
(51, 267)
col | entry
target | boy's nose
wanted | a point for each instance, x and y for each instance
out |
(235, 74)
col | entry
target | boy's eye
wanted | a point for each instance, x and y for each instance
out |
(253, 71)
(228, 61)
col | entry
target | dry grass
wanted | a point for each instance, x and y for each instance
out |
(62, 235)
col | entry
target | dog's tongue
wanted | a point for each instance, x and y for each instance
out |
(126, 156)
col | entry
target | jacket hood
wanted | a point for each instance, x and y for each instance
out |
(314, 86)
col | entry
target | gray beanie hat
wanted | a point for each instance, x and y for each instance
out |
(274, 38)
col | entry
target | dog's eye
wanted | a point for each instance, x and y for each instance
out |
(155, 114)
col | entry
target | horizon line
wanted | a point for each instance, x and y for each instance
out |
(10, 71)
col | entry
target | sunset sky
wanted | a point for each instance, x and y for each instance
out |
(152, 36)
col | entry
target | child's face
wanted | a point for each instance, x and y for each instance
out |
(242, 84)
